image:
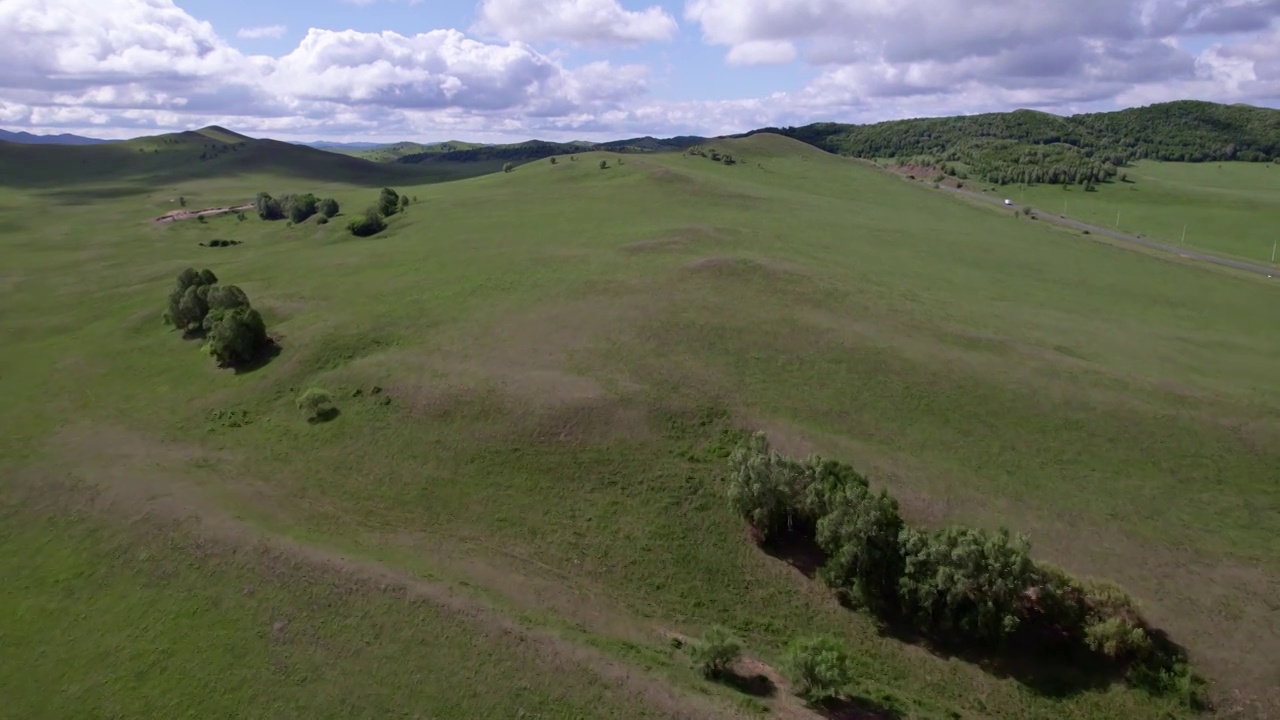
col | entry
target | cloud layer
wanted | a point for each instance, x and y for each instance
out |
(131, 66)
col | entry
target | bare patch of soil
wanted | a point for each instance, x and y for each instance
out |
(189, 214)
(675, 240)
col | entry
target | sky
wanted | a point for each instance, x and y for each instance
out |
(503, 70)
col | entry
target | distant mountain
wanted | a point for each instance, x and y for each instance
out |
(27, 138)
(539, 149)
(1026, 146)
(208, 152)
(328, 144)
(652, 144)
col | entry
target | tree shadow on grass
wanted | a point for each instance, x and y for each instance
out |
(1052, 669)
(797, 549)
(753, 684)
(325, 416)
(265, 355)
(857, 708)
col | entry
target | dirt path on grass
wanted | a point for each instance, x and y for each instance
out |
(921, 172)
(132, 476)
(188, 214)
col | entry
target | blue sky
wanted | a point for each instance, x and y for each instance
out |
(495, 70)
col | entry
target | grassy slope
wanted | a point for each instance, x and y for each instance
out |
(395, 151)
(560, 374)
(1231, 209)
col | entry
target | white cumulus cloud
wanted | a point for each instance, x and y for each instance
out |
(583, 21)
(258, 33)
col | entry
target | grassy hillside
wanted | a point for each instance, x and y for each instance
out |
(540, 150)
(1026, 146)
(394, 151)
(538, 375)
(132, 167)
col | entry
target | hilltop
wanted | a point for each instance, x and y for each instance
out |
(209, 152)
(60, 139)
(1026, 146)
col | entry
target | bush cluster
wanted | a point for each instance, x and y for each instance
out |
(199, 306)
(956, 583)
(372, 221)
(297, 208)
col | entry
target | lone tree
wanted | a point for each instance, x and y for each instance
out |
(182, 201)
(820, 667)
(553, 159)
(328, 207)
(388, 203)
(507, 167)
(604, 164)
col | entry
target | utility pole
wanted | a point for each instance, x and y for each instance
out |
(1117, 219)
(1273, 250)
(1184, 233)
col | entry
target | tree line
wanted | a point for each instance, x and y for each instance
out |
(1037, 147)
(955, 584)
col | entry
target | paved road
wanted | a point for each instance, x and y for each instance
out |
(1125, 237)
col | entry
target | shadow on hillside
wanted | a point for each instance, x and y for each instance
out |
(756, 685)
(797, 549)
(1049, 666)
(1024, 659)
(86, 195)
(264, 357)
(855, 709)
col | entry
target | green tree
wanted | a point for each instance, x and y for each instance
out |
(767, 488)
(404, 203)
(268, 207)
(182, 201)
(553, 160)
(604, 164)
(328, 207)
(715, 652)
(235, 336)
(859, 531)
(388, 202)
(820, 667)
(300, 207)
(507, 167)
(188, 301)
(370, 224)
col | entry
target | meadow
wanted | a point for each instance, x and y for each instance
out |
(1229, 209)
(538, 374)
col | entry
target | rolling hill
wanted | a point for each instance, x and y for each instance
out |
(1027, 146)
(136, 164)
(520, 506)
(60, 139)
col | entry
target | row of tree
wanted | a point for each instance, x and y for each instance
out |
(373, 221)
(297, 208)
(956, 584)
(198, 306)
(997, 146)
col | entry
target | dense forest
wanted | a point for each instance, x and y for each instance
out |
(1026, 146)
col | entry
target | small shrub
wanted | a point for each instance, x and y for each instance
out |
(182, 201)
(240, 216)
(328, 207)
(553, 160)
(604, 164)
(507, 167)
(370, 224)
(820, 667)
(404, 203)
(715, 652)
(316, 405)
(322, 220)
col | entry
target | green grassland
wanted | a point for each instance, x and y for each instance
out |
(395, 151)
(1230, 209)
(537, 374)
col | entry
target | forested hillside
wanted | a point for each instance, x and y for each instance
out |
(1026, 146)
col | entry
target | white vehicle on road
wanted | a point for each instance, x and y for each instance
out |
(1008, 202)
